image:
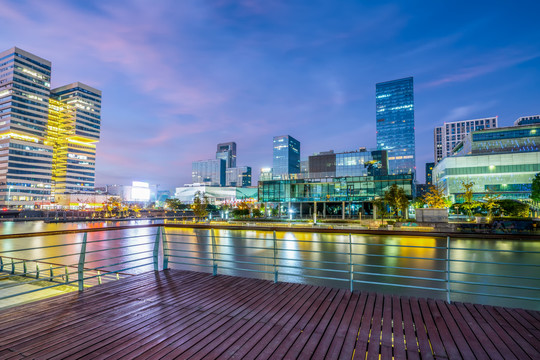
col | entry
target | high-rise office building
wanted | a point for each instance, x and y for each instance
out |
(395, 124)
(209, 172)
(353, 163)
(446, 137)
(46, 137)
(286, 159)
(429, 173)
(74, 127)
(227, 152)
(26, 165)
(238, 176)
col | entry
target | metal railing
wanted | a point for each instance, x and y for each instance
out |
(24, 278)
(444, 270)
(363, 265)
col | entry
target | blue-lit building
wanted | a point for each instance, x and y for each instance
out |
(227, 152)
(353, 163)
(527, 120)
(395, 124)
(209, 172)
(501, 160)
(238, 176)
(429, 173)
(286, 157)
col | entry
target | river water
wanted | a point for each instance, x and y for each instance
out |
(381, 262)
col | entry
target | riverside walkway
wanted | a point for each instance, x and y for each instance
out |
(182, 314)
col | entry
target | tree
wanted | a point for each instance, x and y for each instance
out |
(535, 189)
(200, 203)
(468, 203)
(174, 204)
(491, 202)
(380, 208)
(434, 198)
(513, 208)
(396, 198)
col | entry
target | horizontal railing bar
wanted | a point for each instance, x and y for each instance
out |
(496, 275)
(399, 276)
(493, 263)
(312, 276)
(497, 285)
(496, 250)
(115, 257)
(193, 251)
(310, 268)
(400, 285)
(190, 264)
(124, 262)
(496, 295)
(189, 257)
(244, 269)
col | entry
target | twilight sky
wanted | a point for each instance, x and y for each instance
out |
(178, 77)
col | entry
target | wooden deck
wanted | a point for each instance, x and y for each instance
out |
(181, 314)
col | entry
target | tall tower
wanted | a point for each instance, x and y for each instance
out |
(286, 159)
(26, 165)
(227, 152)
(75, 123)
(395, 124)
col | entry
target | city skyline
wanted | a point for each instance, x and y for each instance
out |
(243, 72)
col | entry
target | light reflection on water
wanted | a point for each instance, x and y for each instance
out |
(241, 251)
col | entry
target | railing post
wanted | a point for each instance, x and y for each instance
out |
(214, 261)
(1, 264)
(80, 269)
(67, 274)
(165, 255)
(275, 259)
(99, 277)
(448, 269)
(156, 249)
(24, 267)
(37, 271)
(51, 272)
(12, 267)
(351, 265)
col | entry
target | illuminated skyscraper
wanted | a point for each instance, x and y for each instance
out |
(76, 113)
(395, 124)
(286, 159)
(26, 160)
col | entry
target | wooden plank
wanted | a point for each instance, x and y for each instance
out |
(533, 340)
(323, 332)
(411, 343)
(454, 330)
(227, 344)
(437, 346)
(376, 324)
(296, 322)
(258, 340)
(361, 345)
(338, 322)
(397, 330)
(294, 341)
(483, 338)
(524, 322)
(345, 339)
(503, 335)
(519, 337)
(488, 330)
(535, 323)
(386, 334)
(185, 327)
(421, 331)
(90, 322)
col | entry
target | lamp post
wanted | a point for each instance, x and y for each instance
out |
(9, 195)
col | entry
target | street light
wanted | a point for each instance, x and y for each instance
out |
(9, 195)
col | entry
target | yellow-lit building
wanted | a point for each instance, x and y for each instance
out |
(73, 131)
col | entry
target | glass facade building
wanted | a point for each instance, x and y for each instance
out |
(209, 172)
(429, 173)
(395, 124)
(286, 157)
(527, 120)
(25, 157)
(238, 176)
(501, 160)
(74, 129)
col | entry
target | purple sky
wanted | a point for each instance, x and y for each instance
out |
(178, 77)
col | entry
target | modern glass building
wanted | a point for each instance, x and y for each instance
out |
(501, 160)
(395, 124)
(238, 176)
(227, 152)
(286, 157)
(352, 194)
(25, 158)
(209, 172)
(429, 173)
(527, 120)
(446, 137)
(352, 163)
(74, 130)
